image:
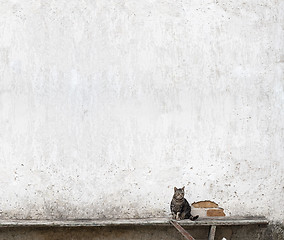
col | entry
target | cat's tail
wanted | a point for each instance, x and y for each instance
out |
(193, 218)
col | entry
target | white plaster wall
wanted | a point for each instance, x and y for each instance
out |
(105, 106)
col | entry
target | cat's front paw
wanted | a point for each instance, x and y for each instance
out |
(178, 216)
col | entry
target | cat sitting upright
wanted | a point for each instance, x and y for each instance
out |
(180, 207)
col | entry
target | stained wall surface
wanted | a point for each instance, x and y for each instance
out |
(105, 106)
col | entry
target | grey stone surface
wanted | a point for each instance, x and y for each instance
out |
(246, 228)
(275, 232)
(250, 232)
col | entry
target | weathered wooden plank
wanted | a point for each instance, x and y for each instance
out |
(182, 230)
(218, 221)
(212, 233)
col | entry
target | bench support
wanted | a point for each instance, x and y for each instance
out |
(188, 236)
(212, 232)
(182, 230)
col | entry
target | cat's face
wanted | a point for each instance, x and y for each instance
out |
(179, 193)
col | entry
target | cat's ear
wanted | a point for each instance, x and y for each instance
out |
(175, 189)
(183, 188)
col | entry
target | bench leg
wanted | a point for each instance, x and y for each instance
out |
(182, 230)
(212, 233)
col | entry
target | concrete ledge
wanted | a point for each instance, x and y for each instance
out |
(217, 221)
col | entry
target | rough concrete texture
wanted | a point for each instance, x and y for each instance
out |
(145, 233)
(105, 106)
(275, 231)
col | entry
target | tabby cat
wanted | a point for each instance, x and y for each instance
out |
(180, 207)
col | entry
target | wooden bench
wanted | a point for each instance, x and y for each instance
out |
(211, 222)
